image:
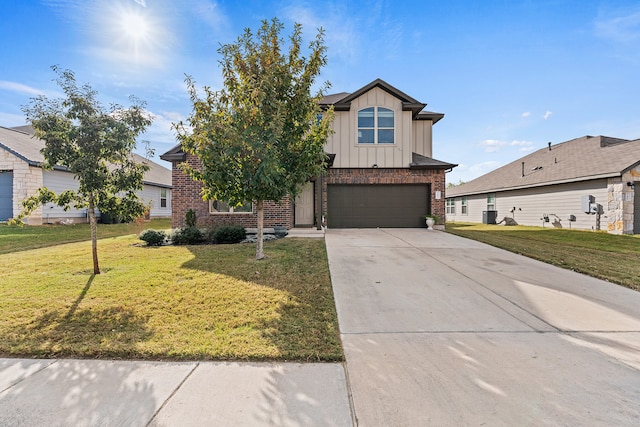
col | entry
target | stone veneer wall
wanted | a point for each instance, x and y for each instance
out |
(186, 195)
(620, 202)
(435, 177)
(26, 181)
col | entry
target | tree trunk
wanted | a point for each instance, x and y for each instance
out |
(94, 235)
(259, 243)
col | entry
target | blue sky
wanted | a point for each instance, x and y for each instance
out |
(510, 76)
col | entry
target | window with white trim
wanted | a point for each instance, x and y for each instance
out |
(464, 209)
(163, 197)
(451, 206)
(219, 206)
(491, 201)
(376, 126)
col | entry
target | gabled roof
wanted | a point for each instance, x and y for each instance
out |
(342, 101)
(22, 145)
(25, 146)
(580, 159)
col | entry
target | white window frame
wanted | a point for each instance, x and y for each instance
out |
(376, 128)
(451, 206)
(491, 201)
(464, 207)
(231, 210)
(163, 197)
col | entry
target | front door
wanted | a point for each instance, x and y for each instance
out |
(304, 206)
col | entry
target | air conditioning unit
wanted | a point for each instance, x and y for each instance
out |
(588, 204)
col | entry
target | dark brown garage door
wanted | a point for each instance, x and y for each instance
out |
(370, 206)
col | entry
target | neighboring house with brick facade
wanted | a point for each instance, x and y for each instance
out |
(21, 174)
(380, 171)
(590, 183)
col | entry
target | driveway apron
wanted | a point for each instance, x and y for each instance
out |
(441, 330)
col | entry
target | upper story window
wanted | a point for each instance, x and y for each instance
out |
(375, 126)
(219, 206)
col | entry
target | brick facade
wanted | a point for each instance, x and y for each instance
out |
(186, 195)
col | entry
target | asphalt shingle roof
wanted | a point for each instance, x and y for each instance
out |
(580, 159)
(27, 147)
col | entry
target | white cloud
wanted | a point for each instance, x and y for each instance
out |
(9, 119)
(547, 114)
(20, 88)
(622, 28)
(340, 28)
(483, 167)
(161, 127)
(493, 145)
(526, 114)
(524, 145)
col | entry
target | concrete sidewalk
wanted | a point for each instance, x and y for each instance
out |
(126, 393)
(441, 330)
(437, 330)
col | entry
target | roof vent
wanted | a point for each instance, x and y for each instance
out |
(549, 146)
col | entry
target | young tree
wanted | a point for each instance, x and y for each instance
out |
(95, 145)
(262, 135)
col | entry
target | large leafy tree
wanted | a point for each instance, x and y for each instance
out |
(95, 144)
(262, 135)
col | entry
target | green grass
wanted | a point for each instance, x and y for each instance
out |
(14, 238)
(169, 303)
(615, 258)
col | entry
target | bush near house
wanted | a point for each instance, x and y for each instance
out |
(229, 234)
(153, 237)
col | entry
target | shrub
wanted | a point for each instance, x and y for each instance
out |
(190, 219)
(229, 234)
(152, 237)
(187, 236)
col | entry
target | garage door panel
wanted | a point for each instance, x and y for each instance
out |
(370, 206)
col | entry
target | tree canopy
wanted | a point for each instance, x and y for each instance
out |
(95, 144)
(262, 135)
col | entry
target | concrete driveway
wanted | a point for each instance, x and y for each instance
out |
(441, 330)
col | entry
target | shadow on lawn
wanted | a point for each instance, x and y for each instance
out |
(306, 326)
(106, 332)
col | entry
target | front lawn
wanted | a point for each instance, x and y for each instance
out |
(14, 238)
(171, 302)
(615, 258)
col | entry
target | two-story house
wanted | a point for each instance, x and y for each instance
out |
(380, 171)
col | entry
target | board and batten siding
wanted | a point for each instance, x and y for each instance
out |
(422, 137)
(557, 201)
(344, 143)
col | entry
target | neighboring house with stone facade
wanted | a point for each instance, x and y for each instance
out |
(21, 174)
(590, 183)
(380, 171)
